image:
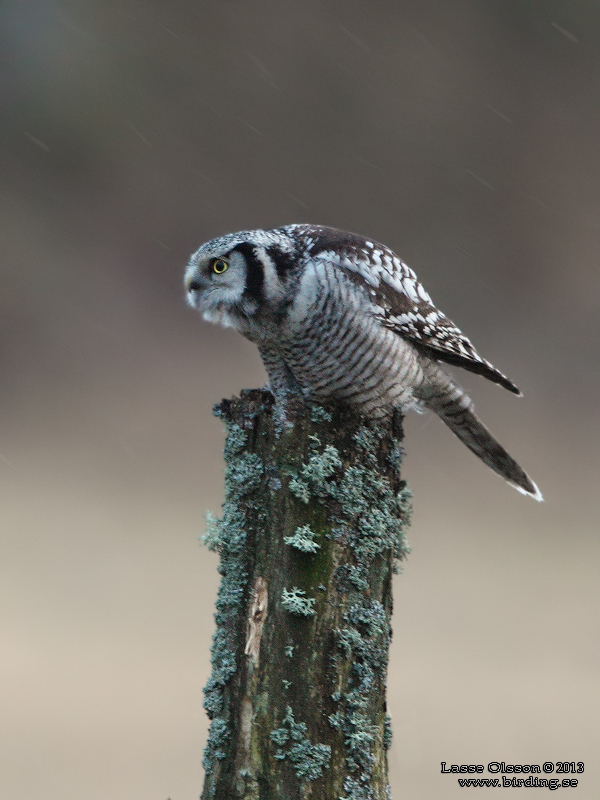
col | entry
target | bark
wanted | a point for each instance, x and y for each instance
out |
(311, 531)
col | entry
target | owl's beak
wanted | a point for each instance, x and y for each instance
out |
(192, 285)
(193, 289)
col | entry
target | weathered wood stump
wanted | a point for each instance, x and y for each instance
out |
(311, 531)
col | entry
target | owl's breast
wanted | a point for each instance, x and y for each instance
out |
(336, 347)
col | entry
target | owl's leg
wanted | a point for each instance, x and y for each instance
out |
(282, 382)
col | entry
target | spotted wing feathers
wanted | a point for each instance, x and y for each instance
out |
(400, 300)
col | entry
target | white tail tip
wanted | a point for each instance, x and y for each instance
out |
(536, 494)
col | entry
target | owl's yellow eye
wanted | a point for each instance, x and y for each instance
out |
(219, 265)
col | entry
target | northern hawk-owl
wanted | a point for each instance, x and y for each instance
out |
(337, 316)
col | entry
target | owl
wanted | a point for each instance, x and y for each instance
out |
(338, 316)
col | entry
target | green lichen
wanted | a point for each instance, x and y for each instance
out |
(369, 514)
(274, 484)
(228, 535)
(336, 720)
(309, 760)
(313, 475)
(300, 489)
(296, 602)
(396, 455)
(371, 519)
(235, 442)
(405, 501)
(356, 789)
(357, 577)
(319, 414)
(372, 516)
(364, 642)
(387, 732)
(212, 537)
(218, 736)
(321, 465)
(280, 736)
(360, 734)
(303, 539)
(245, 472)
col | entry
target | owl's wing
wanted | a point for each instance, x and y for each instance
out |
(419, 320)
(403, 305)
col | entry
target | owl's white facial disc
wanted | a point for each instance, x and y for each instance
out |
(252, 283)
(218, 296)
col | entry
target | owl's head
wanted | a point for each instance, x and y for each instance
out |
(232, 278)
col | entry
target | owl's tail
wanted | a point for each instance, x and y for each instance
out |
(453, 406)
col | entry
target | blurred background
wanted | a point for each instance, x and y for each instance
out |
(463, 135)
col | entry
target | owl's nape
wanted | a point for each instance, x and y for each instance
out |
(338, 316)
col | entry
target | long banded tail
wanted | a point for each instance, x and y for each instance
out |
(453, 406)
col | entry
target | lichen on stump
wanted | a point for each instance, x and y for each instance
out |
(312, 530)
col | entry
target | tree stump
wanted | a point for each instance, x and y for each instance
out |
(312, 529)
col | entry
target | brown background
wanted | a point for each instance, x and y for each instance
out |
(464, 135)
